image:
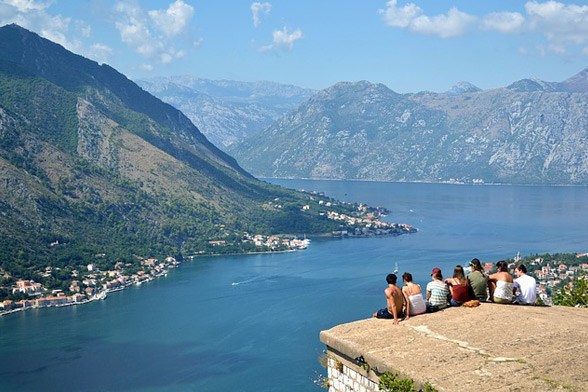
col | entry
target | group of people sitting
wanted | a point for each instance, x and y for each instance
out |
(476, 287)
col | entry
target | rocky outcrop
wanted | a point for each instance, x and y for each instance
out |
(492, 348)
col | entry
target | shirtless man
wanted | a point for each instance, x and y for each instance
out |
(393, 301)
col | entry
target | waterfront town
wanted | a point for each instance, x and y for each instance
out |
(88, 282)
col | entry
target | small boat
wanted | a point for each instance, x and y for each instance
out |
(100, 295)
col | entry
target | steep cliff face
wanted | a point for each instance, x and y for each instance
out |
(531, 132)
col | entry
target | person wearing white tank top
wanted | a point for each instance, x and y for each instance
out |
(413, 297)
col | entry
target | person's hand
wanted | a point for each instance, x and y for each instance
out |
(395, 322)
(406, 318)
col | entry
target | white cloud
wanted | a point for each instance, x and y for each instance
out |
(32, 16)
(400, 16)
(412, 17)
(133, 29)
(283, 39)
(557, 49)
(258, 8)
(585, 51)
(546, 50)
(173, 20)
(28, 5)
(35, 16)
(560, 23)
(153, 34)
(147, 67)
(504, 22)
(99, 52)
(452, 24)
(84, 29)
(171, 55)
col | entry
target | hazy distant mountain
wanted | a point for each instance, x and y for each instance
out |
(530, 85)
(576, 84)
(463, 87)
(531, 132)
(227, 111)
(94, 163)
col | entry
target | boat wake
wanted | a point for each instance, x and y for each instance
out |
(246, 281)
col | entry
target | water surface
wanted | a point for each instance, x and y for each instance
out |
(251, 323)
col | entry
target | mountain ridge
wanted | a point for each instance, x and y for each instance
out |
(93, 163)
(225, 110)
(530, 132)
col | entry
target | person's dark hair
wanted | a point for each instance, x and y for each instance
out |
(407, 277)
(459, 274)
(437, 275)
(391, 279)
(475, 263)
(522, 268)
(502, 266)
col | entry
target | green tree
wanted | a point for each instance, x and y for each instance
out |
(576, 294)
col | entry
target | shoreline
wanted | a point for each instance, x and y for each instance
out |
(104, 293)
(101, 295)
(262, 178)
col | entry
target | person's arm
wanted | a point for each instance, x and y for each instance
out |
(394, 309)
(407, 302)
(471, 293)
(449, 284)
(515, 286)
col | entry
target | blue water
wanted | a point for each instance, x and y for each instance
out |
(251, 323)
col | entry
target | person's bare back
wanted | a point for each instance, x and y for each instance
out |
(394, 301)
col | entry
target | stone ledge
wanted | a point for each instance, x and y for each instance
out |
(491, 347)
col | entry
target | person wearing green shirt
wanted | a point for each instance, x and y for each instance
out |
(478, 281)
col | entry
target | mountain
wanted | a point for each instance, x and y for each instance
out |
(463, 87)
(530, 85)
(576, 84)
(93, 166)
(531, 132)
(227, 111)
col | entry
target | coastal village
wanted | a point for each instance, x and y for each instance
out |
(92, 285)
(89, 283)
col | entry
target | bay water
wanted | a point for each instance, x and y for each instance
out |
(252, 322)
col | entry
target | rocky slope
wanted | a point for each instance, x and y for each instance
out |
(91, 164)
(227, 111)
(531, 132)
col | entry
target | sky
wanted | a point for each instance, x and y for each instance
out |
(409, 46)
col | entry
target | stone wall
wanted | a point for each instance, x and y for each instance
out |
(347, 375)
